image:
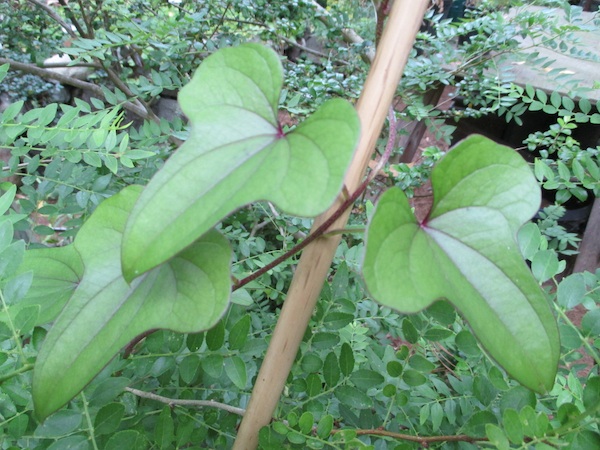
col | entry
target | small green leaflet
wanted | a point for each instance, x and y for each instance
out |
(466, 252)
(237, 154)
(187, 294)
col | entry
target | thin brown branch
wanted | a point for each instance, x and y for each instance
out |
(112, 76)
(137, 105)
(86, 19)
(306, 49)
(193, 403)
(54, 15)
(259, 226)
(97, 8)
(49, 74)
(244, 22)
(65, 79)
(73, 19)
(423, 440)
(65, 65)
(349, 34)
(219, 23)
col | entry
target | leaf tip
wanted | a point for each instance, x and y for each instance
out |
(43, 403)
(130, 271)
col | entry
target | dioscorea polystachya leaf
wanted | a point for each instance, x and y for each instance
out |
(189, 293)
(465, 251)
(237, 153)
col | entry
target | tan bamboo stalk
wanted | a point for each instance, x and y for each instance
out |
(397, 40)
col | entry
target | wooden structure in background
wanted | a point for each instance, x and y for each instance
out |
(583, 74)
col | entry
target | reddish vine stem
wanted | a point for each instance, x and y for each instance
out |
(343, 207)
(382, 12)
(311, 237)
(296, 249)
(131, 346)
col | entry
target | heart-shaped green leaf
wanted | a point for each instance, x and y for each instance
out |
(189, 293)
(237, 154)
(466, 251)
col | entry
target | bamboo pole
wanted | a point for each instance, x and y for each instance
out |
(372, 107)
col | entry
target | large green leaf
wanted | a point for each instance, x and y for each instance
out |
(237, 154)
(187, 294)
(466, 251)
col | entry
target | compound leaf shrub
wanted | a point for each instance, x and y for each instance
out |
(466, 251)
(237, 153)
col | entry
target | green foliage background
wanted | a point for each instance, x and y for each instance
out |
(362, 367)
